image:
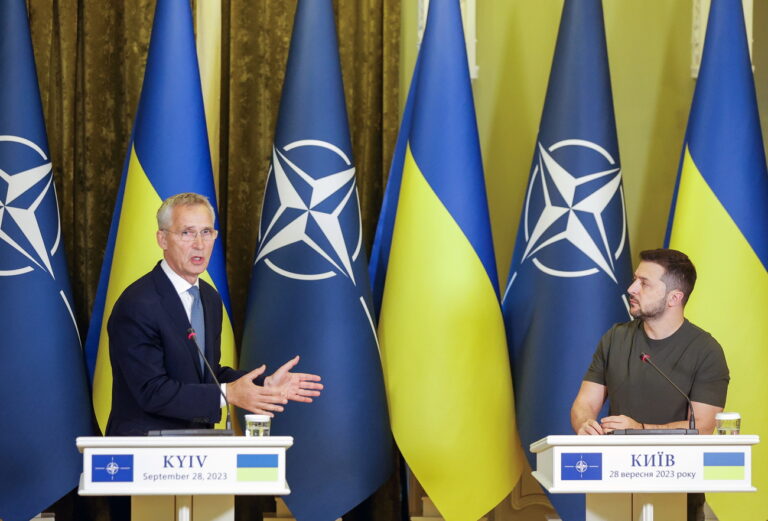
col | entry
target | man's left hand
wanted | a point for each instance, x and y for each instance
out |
(611, 423)
(299, 387)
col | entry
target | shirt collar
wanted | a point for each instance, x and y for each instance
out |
(179, 284)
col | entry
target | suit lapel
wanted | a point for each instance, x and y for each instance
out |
(175, 309)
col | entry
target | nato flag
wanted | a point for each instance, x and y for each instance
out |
(309, 292)
(581, 466)
(571, 264)
(43, 387)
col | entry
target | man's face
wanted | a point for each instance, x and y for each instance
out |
(187, 258)
(647, 293)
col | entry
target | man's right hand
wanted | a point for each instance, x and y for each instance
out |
(255, 398)
(592, 427)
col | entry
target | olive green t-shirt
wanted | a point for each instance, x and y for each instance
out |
(690, 357)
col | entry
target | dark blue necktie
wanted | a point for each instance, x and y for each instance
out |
(198, 321)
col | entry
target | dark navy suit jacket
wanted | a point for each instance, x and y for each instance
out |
(157, 382)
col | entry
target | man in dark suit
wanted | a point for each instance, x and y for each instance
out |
(159, 380)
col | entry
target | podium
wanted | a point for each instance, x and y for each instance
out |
(183, 478)
(643, 477)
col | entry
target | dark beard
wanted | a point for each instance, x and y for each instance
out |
(653, 312)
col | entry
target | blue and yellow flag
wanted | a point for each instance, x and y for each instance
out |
(309, 292)
(719, 218)
(43, 384)
(168, 154)
(441, 331)
(571, 265)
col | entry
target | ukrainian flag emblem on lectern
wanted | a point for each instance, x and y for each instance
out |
(257, 467)
(724, 465)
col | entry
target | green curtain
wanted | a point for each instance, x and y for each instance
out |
(90, 57)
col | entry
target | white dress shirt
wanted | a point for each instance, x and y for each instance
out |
(182, 288)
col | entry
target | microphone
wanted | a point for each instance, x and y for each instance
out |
(192, 335)
(645, 357)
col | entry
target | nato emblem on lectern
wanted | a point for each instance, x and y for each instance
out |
(581, 466)
(112, 467)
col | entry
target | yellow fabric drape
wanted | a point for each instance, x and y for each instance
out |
(208, 38)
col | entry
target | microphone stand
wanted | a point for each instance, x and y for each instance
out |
(645, 357)
(191, 334)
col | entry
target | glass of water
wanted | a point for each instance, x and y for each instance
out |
(728, 422)
(257, 425)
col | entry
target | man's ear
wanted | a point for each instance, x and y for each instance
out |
(675, 298)
(162, 239)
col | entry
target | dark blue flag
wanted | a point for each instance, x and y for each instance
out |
(309, 292)
(571, 264)
(43, 386)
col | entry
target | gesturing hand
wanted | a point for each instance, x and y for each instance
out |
(299, 387)
(255, 398)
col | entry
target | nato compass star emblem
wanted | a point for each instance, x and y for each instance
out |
(309, 214)
(564, 212)
(312, 229)
(108, 468)
(112, 468)
(22, 193)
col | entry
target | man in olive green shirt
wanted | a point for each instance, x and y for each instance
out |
(640, 398)
(689, 356)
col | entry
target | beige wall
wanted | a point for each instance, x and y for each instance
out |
(649, 51)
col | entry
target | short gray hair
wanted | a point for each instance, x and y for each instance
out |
(186, 199)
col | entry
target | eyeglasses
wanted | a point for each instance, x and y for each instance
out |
(206, 234)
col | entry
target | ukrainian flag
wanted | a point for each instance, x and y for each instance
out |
(443, 346)
(168, 154)
(719, 218)
(257, 467)
(724, 465)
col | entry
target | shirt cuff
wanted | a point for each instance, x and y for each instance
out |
(222, 401)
